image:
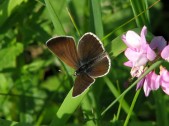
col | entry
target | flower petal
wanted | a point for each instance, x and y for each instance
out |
(124, 39)
(141, 60)
(164, 80)
(131, 54)
(164, 74)
(165, 53)
(129, 64)
(143, 34)
(146, 88)
(165, 87)
(158, 42)
(166, 90)
(137, 58)
(152, 82)
(133, 40)
(155, 81)
(151, 55)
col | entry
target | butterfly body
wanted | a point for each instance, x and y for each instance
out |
(89, 60)
(85, 67)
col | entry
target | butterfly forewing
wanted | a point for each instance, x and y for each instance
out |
(65, 49)
(89, 47)
(82, 82)
(100, 68)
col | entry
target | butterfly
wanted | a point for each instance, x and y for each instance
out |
(89, 59)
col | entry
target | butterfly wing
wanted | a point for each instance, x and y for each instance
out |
(89, 47)
(100, 68)
(65, 49)
(82, 82)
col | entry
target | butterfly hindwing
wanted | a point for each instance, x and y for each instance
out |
(82, 82)
(100, 68)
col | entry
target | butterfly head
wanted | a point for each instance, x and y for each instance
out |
(81, 69)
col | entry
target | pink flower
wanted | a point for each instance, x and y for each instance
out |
(151, 82)
(138, 51)
(165, 53)
(164, 80)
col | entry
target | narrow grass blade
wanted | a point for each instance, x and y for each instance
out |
(73, 22)
(131, 107)
(138, 7)
(55, 19)
(96, 17)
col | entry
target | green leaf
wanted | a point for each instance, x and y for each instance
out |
(35, 66)
(7, 123)
(7, 7)
(116, 47)
(8, 55)
(41, 1)
(12, 123)
(142, 123)
(68, 106)
(3, 83)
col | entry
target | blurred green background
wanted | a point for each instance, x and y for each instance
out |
(34, 83)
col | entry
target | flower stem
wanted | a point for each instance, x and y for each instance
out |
(131, 108)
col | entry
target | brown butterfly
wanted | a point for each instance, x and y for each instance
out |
(89, 60)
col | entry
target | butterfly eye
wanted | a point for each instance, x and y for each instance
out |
(75, 73)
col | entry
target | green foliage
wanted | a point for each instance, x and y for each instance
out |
(8, 55)
(36, 87)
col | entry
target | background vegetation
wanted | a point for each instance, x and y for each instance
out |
(35, 87)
